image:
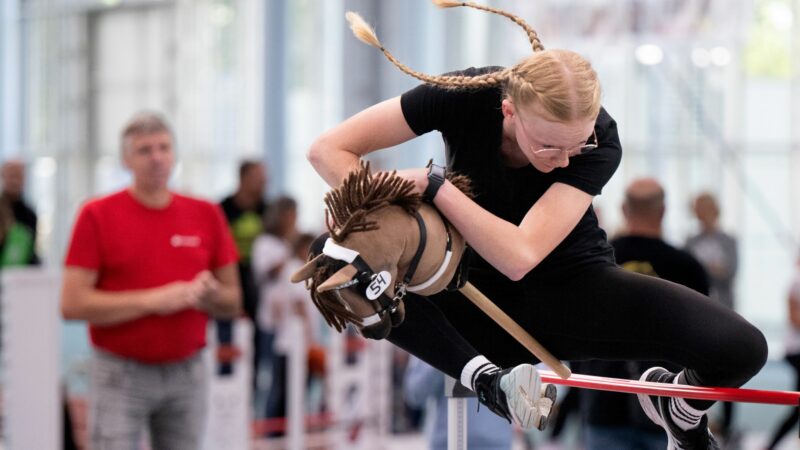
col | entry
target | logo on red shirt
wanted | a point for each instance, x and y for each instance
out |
(178, 240)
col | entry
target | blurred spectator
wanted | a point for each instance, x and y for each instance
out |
(718, 253)
(19, 241)
(291, 299)
(271, 250)
(715, 249)
(792, 356)
(145, 267)
(616, 421)
(244, 211)
(485, 430)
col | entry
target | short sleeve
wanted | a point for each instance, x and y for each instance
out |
(427, 107)
(590, 172)
(84, 245)
(225, 249)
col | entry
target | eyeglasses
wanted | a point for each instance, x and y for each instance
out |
(548, 152)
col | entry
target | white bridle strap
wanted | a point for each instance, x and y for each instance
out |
(426, 284)
(338, 252)
(370, 320)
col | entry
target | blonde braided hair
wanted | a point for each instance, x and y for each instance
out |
(561, 81)
(532, 35)
(367, 35)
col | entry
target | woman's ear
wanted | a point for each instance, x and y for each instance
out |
(507, 107)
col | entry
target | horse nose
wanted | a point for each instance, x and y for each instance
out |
(378, 331)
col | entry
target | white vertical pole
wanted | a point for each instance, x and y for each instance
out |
(456, 417)
(296, 384)
(228, 397)
(456, 424)
(31, 332)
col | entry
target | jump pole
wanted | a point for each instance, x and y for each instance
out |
(674, 390)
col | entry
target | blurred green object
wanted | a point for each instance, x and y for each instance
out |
(18, 247)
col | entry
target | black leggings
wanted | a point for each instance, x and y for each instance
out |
(603, 312)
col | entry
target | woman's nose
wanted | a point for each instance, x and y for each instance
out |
(563, 160)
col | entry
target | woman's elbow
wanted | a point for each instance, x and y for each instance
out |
(316, 153)
(520, 267)
(516, 274)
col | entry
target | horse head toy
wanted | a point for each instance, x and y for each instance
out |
(383, 241)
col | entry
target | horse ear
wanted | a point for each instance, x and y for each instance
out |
(341, 277)
(307, 271)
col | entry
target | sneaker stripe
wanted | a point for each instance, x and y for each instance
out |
(648, 402)
(677, 411)
(478, 371)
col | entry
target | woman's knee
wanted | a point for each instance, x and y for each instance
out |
(748, 355)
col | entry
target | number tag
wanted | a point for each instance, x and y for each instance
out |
(379, 285)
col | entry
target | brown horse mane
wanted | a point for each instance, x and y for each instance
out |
(362, 193)
(347, 208)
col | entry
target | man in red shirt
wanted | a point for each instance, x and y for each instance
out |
(145, 268)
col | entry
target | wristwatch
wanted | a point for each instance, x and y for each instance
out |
(436, 177)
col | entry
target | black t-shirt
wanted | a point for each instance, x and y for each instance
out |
(471, 124)
(24, 214)
(233, 211)
(246, 225)
(649, 256)
(667, 261)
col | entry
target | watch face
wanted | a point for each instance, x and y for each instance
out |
(436, 172)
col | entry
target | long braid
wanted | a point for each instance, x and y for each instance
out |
(562, 81)
(533, 37)
(367, 35)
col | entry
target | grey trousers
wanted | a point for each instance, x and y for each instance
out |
(127, 397)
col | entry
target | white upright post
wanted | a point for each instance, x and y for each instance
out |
(31, 332)
(358, 393)
(456, 413)
(229, 396)
(456, 424)
(296, 385)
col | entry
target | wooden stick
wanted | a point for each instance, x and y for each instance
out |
(508, 324)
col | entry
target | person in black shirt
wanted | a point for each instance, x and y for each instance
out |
(244, 210)
(538, 147)
(614, 420)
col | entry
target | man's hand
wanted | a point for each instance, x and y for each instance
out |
(174, 297)
(206, 289)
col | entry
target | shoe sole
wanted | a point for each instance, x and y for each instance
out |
(518, 386)
(546, 402)
(651, 411)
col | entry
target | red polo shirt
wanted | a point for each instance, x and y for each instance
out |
(135, 247)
